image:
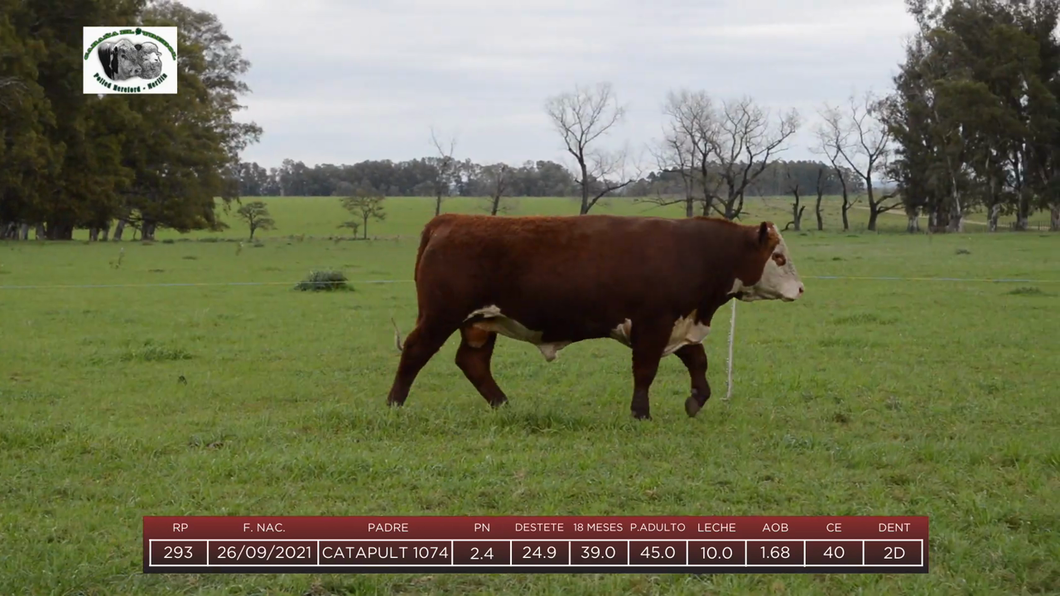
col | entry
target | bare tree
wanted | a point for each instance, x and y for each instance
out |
(743, 143)
(796, 211)
(822, 179)
(445, 169)
(866, 151)
(832, 136)
(694, 121)
(496, 178)
(673, 155)
(581, 118)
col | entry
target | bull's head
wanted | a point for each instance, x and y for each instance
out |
(150, 60)
(128, 59)
(779, 279)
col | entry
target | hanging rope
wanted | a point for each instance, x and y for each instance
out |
(732, 336)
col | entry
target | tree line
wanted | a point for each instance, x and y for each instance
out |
(418, 177)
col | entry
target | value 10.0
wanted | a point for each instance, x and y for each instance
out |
(713, 553)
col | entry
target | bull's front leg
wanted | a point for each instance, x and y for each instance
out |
(648, 342)
(695, 359)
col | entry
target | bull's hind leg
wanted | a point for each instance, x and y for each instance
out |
(695, 359)
(473, 357)
(648, 342)
(422, 343)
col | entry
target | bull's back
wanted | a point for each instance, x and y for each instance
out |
(547, 252)
(552, 274)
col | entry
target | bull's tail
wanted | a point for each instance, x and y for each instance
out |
(397, 336)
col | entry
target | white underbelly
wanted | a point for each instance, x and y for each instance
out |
(685, 332)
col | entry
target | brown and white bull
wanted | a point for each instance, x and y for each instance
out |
(653, 284)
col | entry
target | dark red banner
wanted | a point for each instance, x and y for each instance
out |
(567, 544)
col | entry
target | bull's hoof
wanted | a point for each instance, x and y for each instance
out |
(393, 403)
(692, 406)
(641, 415)
(499, 403)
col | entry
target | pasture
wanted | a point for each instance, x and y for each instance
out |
(866, 397)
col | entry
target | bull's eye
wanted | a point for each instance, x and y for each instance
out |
(779, 259)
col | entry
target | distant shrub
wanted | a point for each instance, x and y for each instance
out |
(190, 258)
(169, 241)
(963, 251)
(323, 281)
(1027, 291)
(210, 239)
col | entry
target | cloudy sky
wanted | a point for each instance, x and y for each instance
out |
(342, 81)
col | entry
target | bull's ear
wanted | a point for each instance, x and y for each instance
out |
(763, 233)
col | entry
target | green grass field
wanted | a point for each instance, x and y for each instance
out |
(866, 397)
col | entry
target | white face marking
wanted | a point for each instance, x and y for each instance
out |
(686, 331)
(779, 279)
(496, 322)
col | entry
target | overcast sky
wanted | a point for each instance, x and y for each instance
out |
(342, 81)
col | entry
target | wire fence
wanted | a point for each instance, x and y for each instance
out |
(401, 281)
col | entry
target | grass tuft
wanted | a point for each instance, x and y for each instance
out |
(864, 318)
(152, 352)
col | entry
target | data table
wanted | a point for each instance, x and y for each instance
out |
(688, 544)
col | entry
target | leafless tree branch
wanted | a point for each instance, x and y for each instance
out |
(446, 168)
(581, 118)
(744, 143)
(497, 179)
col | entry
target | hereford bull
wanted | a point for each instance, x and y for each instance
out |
(653, 284)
